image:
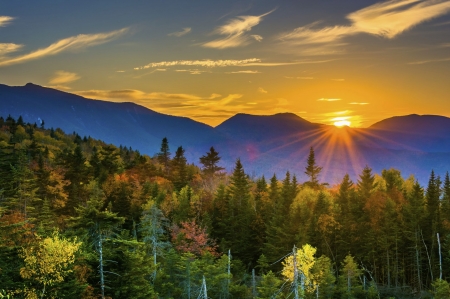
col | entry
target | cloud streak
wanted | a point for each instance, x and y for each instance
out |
(223, 63)
(386, 19)
(73, 43)
(63, 77)
(181, 33)
(7, 48)
(245, 72)
(328, 100)
(235, 31)
(204, 63)
(5, 20)
(428, 61)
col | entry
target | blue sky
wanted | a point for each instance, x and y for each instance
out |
(358, 61)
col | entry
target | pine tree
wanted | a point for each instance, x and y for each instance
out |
(312, 170)
(366, 183)
(210, 161)
(179, 171)
(164, 155)
(100, 224)
(242, 215)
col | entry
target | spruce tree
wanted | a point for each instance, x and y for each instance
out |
(210, 161)
(242, 216)
(164, 155)
(312, 170)
(179, 171)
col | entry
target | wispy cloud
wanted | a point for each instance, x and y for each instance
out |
(300, 78)
(5, 20)
(391, 18)
(224, 63)
(7, 48)
(78, 42)
(328, 100)
(203, 63)
(245, 72)
(358, 103)
(262, 90)
(235, 31)
(338, 80)
(140, 96)
(258, 38)
(387, 19)
(63, 77)
(180, 33)
(428, 61)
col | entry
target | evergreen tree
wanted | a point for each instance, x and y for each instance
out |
(366, 183)
(100, 225)
(210, 161)
(242, 215)
(312, 170)
(179, 169)
(164, 155)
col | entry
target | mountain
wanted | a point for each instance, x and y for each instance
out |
(266, 144)
(117, 123)
(281, 142)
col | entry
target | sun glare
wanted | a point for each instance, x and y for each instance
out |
(342, 123)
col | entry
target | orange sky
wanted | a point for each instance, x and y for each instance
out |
(359, 61)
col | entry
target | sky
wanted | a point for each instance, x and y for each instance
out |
(326, 61)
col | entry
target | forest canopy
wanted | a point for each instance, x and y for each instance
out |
(80, 218)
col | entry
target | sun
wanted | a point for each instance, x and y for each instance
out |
(342, 123)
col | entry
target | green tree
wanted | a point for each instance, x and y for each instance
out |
(210, 161)
(179, 169)
(349, 279)
(312, 170)
(100, 224)
(164, 155)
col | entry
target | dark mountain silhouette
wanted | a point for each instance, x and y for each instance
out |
(118, 123)
(265, 144)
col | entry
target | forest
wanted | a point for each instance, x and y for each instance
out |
(83, 219)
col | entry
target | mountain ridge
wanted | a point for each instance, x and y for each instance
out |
(266, 144)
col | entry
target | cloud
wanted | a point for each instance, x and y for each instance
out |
(300, 78)
(391, 18)
(7, 48)
(258, 38)
(235, 31)
(336, 113)
(310, 35)
(78, 42)
(428, 61)
(245, 72)
(261, 90)
(338, 80)
(180, 33)
(5, 20)
(328, 100)
(224, 63)
(387, 19)
(286, 63)
(204, 63)
(62, 77)
(358, 103)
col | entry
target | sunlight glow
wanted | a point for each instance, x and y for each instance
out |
(342, 123)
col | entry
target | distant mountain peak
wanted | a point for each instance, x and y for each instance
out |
(29, 84)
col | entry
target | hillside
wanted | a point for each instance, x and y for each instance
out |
(266, 144)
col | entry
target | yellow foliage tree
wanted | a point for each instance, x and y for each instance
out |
(305, 262)
(48, 262)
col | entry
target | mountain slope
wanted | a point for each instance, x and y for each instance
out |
(265, 144)
(118, 123)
